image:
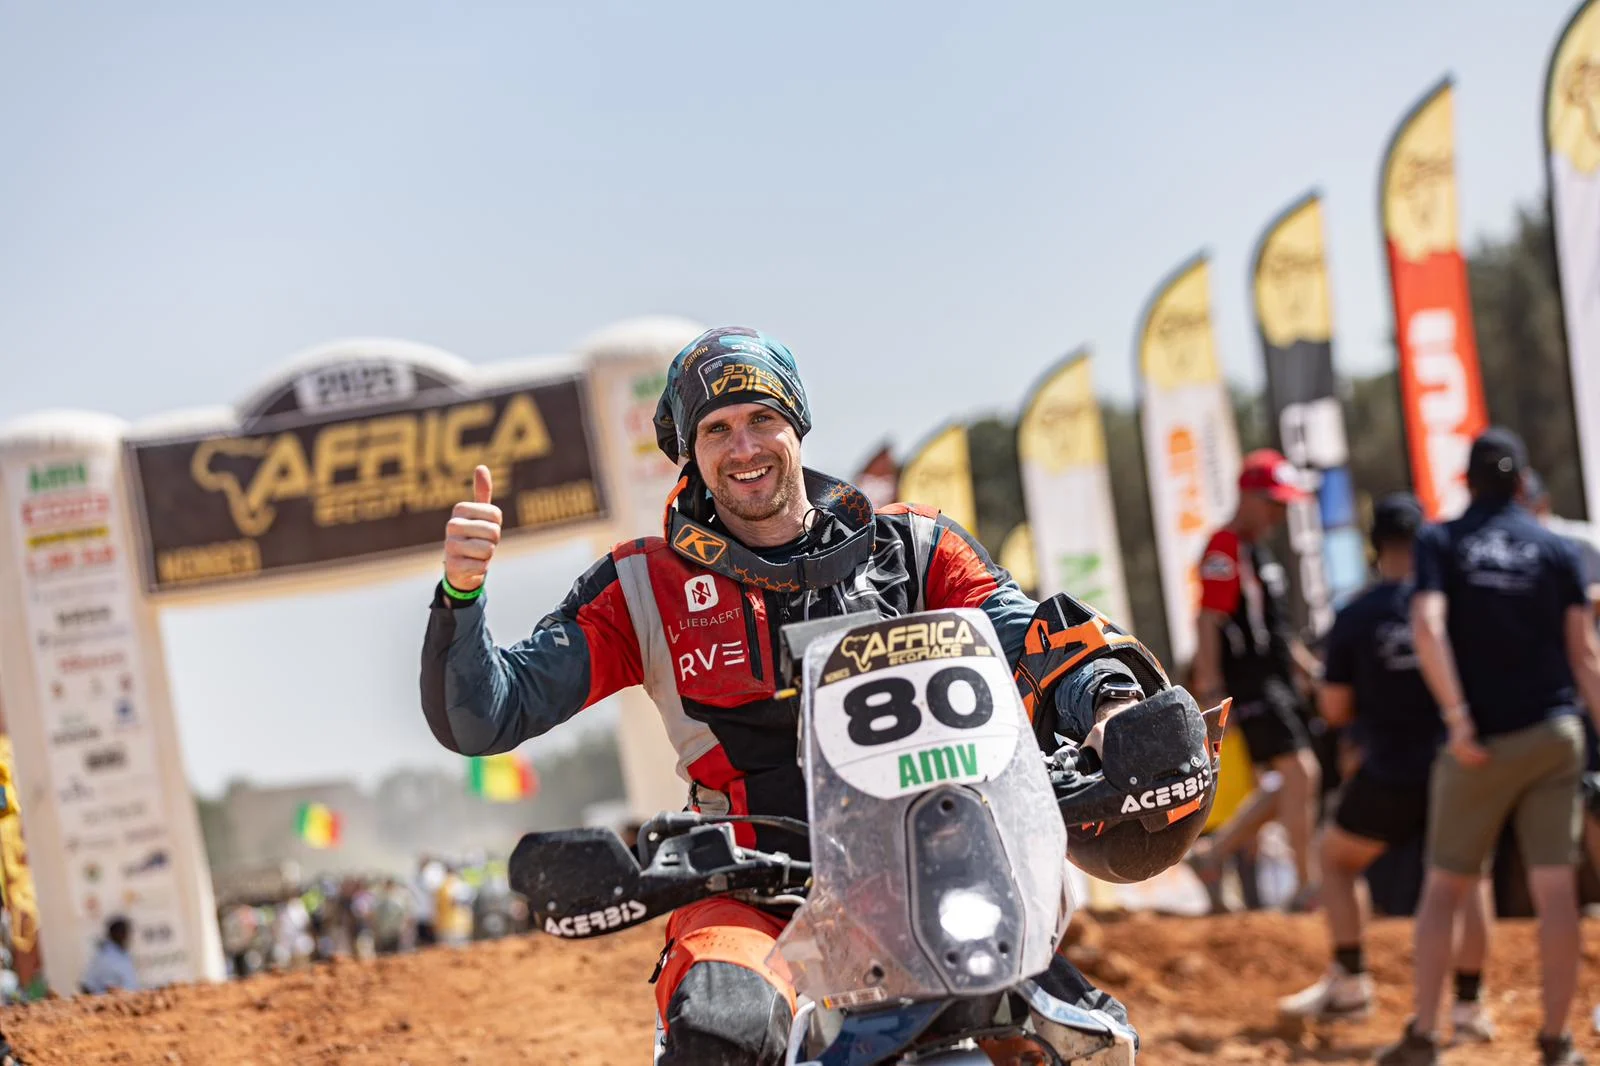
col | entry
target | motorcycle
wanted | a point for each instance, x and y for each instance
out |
(926, 919)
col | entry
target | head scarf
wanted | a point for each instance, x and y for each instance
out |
(722, 366)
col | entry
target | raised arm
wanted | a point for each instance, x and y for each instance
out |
(481, 699)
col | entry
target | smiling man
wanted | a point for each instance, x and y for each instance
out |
(752, 542)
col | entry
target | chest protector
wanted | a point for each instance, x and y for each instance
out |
(702, 636)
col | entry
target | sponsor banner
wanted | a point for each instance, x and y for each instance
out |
(297, 488)
(1572, 151)
(1441, 389)
(101, 757)
(1017, 558)
(939, 474)
(647, 475)
(1294, 319)
(879, 477)
(1066, 489)
(1191, 444)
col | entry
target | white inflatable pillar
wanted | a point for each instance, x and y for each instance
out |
(110, 823)
(628, 364)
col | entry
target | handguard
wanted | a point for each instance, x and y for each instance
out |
(1134, 810)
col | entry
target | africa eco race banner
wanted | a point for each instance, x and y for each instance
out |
(102, 760)
(1572, 152)
(879, 477)
(1441, 390)
(1294, 318)
(1191, 445)
(939, 474)
(1066, 489)
(306, 483)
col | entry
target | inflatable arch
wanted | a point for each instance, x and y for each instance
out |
(341, 468)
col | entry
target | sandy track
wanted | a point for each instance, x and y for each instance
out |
(1200, 991)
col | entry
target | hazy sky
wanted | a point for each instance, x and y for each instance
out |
(928, 202)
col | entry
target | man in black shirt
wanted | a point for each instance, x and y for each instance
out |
(1372, 685)
(1582, 535)
(1506, 642)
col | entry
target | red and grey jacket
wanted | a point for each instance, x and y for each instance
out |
(702, 644)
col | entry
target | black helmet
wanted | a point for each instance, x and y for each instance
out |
(1138, 807)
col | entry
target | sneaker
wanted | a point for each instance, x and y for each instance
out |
(1339, 996)
(1413, 1049)
(1559, 1051)
(1470, 1023)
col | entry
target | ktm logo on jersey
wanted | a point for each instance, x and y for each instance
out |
(700, 545)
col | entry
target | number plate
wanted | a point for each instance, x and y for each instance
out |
(900, 730)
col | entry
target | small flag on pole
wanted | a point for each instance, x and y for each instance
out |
(501, 778)
(318, 825)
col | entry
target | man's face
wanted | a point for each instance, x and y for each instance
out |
(749, 456)
(1261, 513)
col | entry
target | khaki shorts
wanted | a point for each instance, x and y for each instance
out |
(1532, 777)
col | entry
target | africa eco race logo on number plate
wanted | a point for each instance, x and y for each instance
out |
(936, 636)
(908, 705)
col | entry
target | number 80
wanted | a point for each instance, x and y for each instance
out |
(886, 710)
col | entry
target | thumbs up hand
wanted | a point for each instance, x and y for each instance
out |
(471, 535)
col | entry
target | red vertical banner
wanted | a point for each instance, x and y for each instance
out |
(879, 477)
(1441, 388)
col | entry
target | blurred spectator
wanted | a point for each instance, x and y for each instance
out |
(425, 886)
(240, 926)
(112, 966)
(454, 908)
(1246, 651)
(391, 918)
(1373, 686)
(1583, 537)
(1506, 641)
(292, 940)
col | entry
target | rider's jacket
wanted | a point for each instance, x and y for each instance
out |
(703, 645)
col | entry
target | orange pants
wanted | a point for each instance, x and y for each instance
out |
(721, 931)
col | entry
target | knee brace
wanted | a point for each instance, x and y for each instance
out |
(722, 1014)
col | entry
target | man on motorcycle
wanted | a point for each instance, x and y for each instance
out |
(753, 541)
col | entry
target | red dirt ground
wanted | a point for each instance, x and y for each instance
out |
(1201, 991)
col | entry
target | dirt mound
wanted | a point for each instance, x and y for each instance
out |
(1201, 990)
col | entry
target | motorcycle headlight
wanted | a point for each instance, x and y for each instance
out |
(965, 907)
(968, 915)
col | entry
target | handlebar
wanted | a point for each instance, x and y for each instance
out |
(582, 883)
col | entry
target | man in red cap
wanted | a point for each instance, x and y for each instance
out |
(1246, 650)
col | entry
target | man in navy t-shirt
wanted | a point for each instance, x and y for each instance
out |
(1506, 642)
(1372, 685)
(1584, 538)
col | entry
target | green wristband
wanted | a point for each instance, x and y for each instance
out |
(457, 595)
